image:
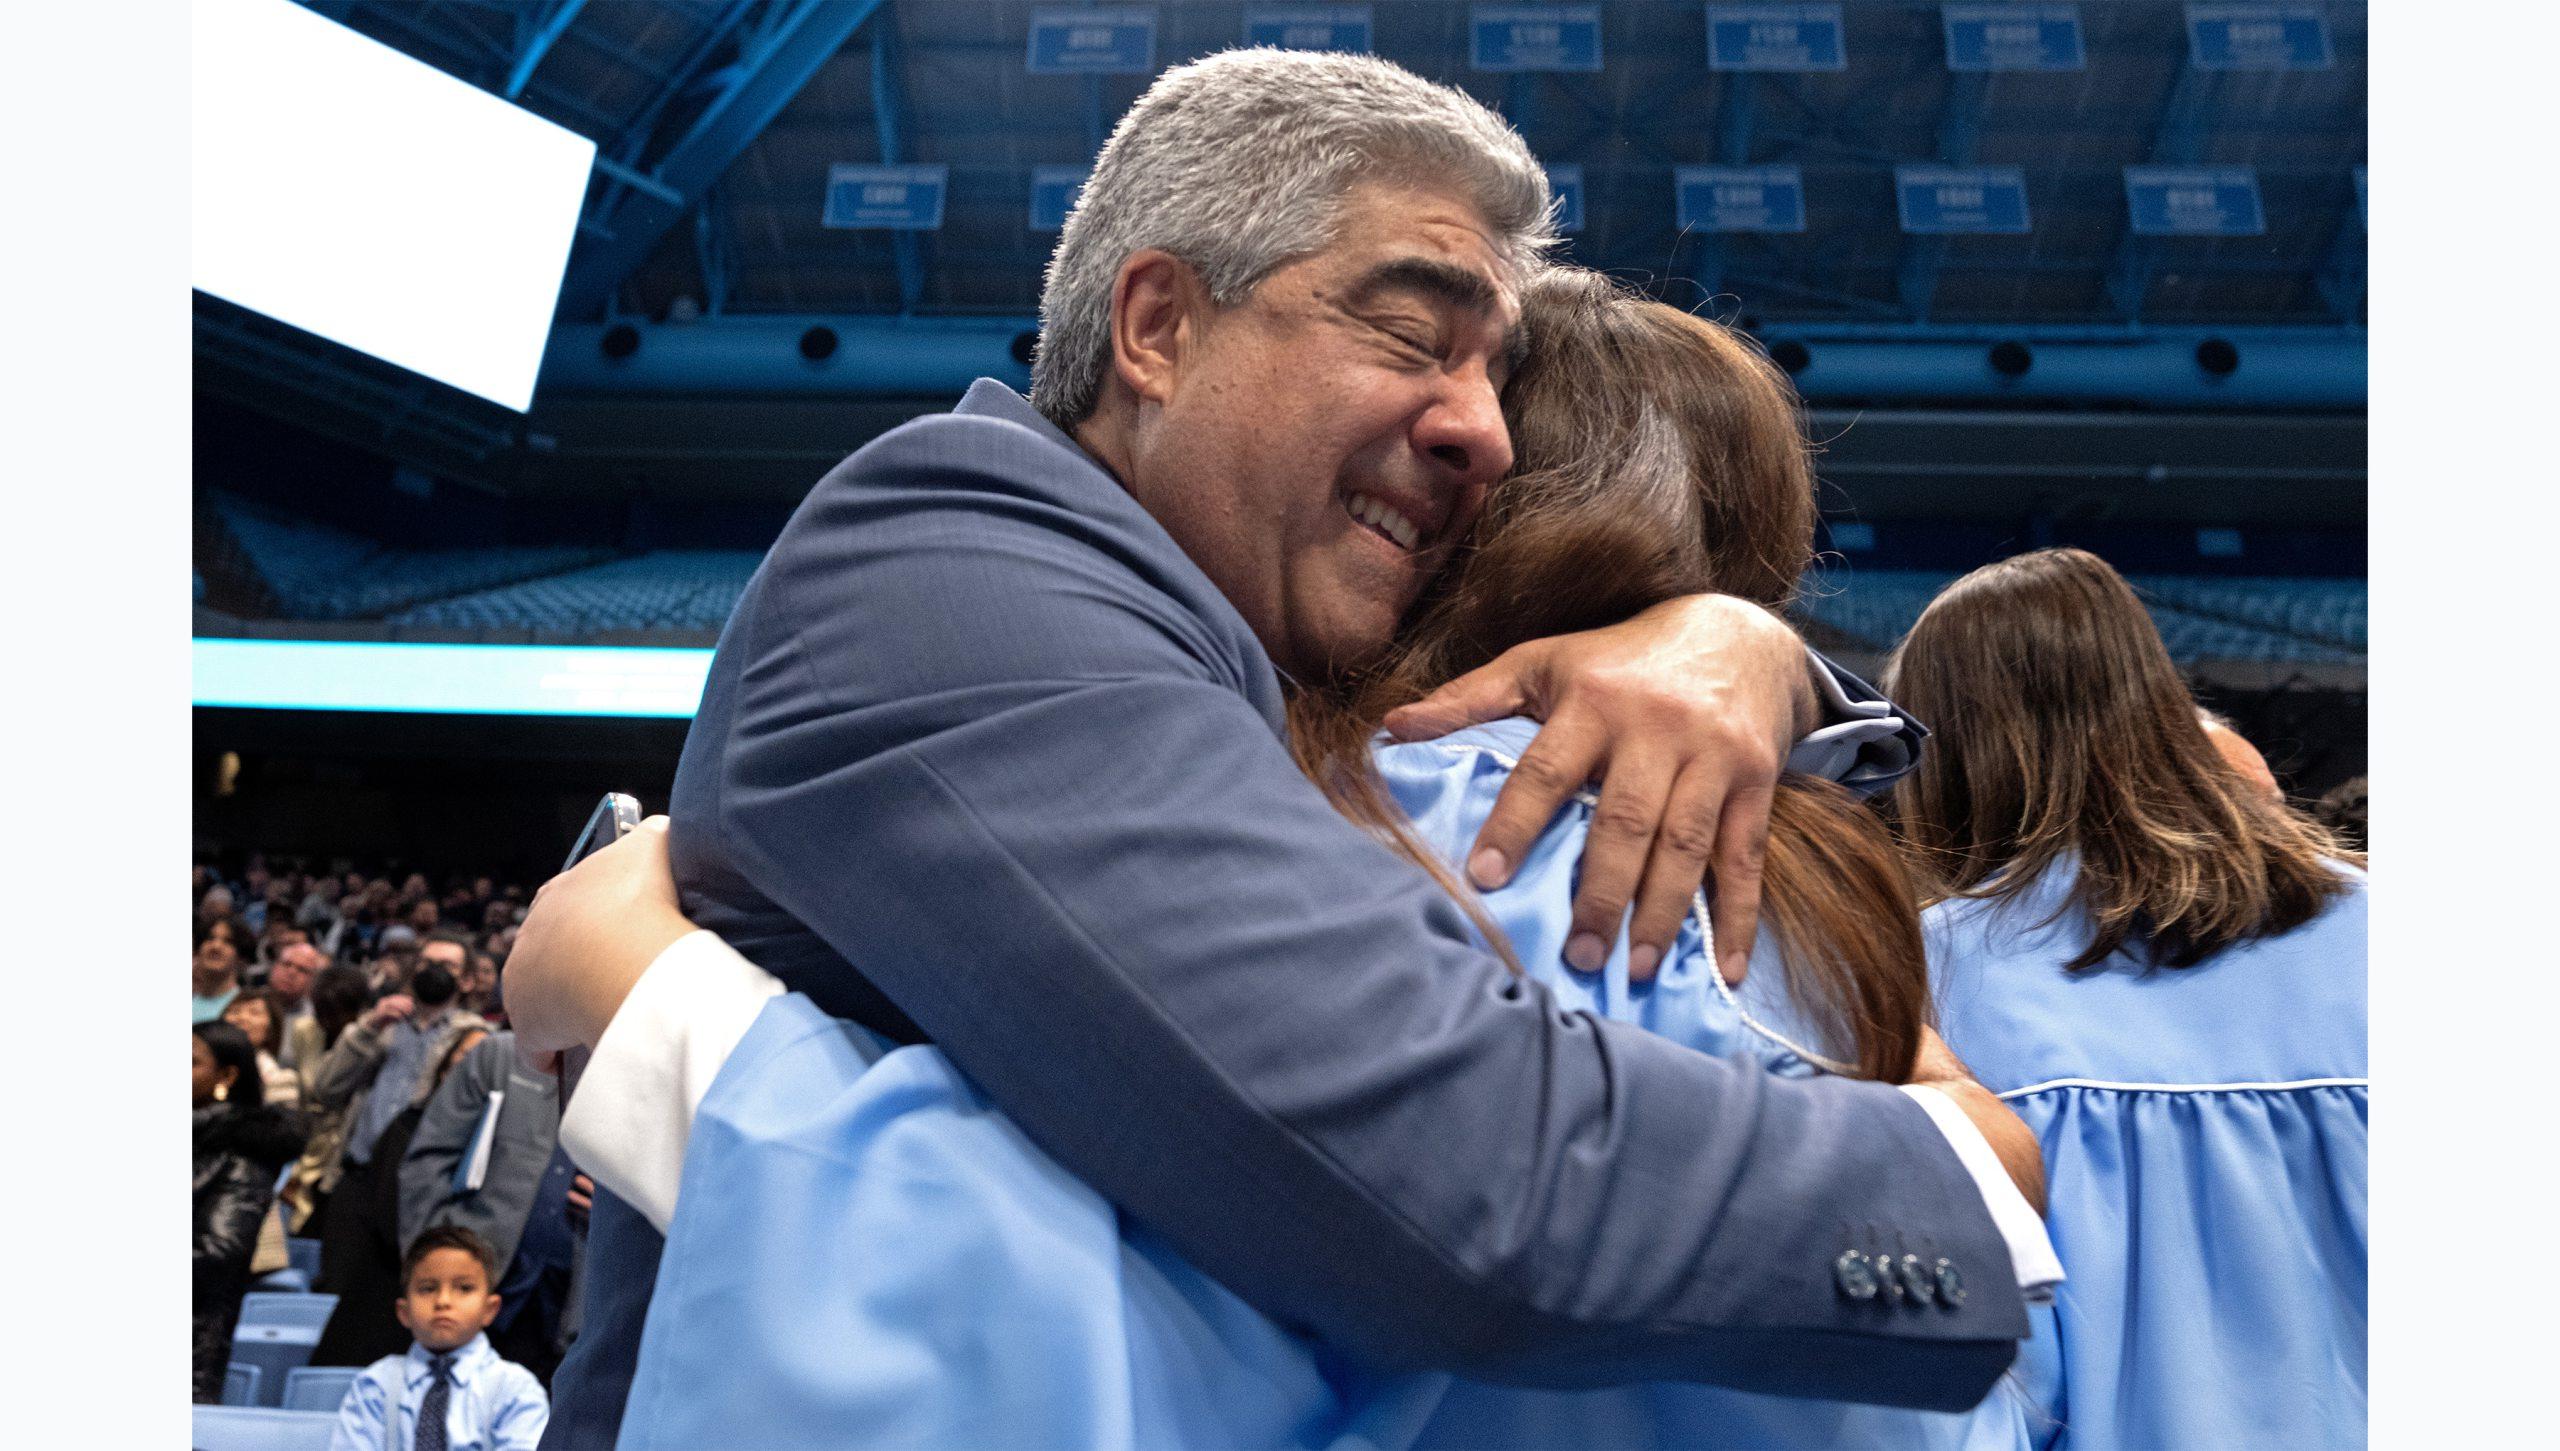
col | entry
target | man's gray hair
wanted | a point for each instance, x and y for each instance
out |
(1238, 163)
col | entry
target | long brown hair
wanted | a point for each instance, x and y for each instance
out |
(1657, 454)
(2063, 730)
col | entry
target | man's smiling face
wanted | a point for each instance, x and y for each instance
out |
(1325, 442)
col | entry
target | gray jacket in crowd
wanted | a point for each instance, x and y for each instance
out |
(528, 1125)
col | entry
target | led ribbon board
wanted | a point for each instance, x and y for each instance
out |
(365, 196)
(571, 680)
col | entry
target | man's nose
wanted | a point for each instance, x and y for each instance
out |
(1463, 430)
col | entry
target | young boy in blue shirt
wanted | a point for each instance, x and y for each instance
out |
(451, 1392)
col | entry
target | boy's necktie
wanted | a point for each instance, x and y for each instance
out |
(439, 1395)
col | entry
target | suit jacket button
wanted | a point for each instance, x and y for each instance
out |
(1916, 1280)
(1853, 1275)
(1888, 1284)
(1950, 1284)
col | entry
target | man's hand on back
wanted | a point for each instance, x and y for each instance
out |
(1686, 713)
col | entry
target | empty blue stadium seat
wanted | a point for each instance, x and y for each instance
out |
(669, 589)
(240, 1384)
(276, 1334)
(2283, 621)
(320, 573)
(318, 1387)
(259, 1428)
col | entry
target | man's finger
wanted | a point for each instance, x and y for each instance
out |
(1492, 691)
(1558, 763)
(1742, 845)
(1676, 870)
(1623, 826)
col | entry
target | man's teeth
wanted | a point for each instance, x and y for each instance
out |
(1385, 520)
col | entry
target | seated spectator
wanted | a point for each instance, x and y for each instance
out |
(480, 988)
(381, 1069)
(240, 1143)
(289, 989)
(232, 930)
(213, 906)
(515, 1193)
(253, 1012)
(339, 996)
(450, 1381)
(217, 977)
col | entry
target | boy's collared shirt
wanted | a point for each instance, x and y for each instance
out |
(495, 1405)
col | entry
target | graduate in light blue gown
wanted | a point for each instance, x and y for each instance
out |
(866, 1250)
(2162, 968)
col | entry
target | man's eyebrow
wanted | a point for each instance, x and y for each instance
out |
(1446, 283)
(1429, 277)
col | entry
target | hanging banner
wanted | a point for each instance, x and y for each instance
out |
(1776, 38)
(2194, 201)
(1053, 194)
(2013, 37)
(1117, 40)
(1961, 199)
(1344, 28)
(1740, 198)
(2257, 38)
(1565, 184)
(1533, 37)
(892, 198)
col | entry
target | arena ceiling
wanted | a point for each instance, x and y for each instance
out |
(730, 113)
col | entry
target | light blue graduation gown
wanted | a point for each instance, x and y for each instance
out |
(866, 1250)
(2204, 1148)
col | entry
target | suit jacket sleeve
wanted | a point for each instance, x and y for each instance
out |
(1006, 765)
(442, 1137)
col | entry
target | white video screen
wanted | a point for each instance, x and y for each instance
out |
(354, 192)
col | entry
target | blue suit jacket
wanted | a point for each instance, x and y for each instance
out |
(985, 758)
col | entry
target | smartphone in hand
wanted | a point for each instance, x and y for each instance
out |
(615, 817)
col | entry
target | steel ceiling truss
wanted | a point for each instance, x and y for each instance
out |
(779, 48)
(2177, 139)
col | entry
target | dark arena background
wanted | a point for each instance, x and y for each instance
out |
(2095, 279)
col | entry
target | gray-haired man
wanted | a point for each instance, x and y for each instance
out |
(991, 755)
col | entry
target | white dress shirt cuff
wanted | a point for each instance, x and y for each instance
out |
(2030, 1248)
(632, 1116)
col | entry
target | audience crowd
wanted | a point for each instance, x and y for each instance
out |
(354, 1084)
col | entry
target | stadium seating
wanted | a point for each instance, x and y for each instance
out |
(276, 1334)
(320, 573)
(673, 589)
(2284, 621)
(240, 1384)
(318, 1387)
(305, 1254)
(2331, 610)
(258, 1428)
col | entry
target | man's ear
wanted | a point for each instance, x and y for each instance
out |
(489, 1310)
(1158, 310)
(400, 1307)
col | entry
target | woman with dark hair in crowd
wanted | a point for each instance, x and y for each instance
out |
(2161, 966)
(1658, 455)
(255, 1014)
(240, 1143)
